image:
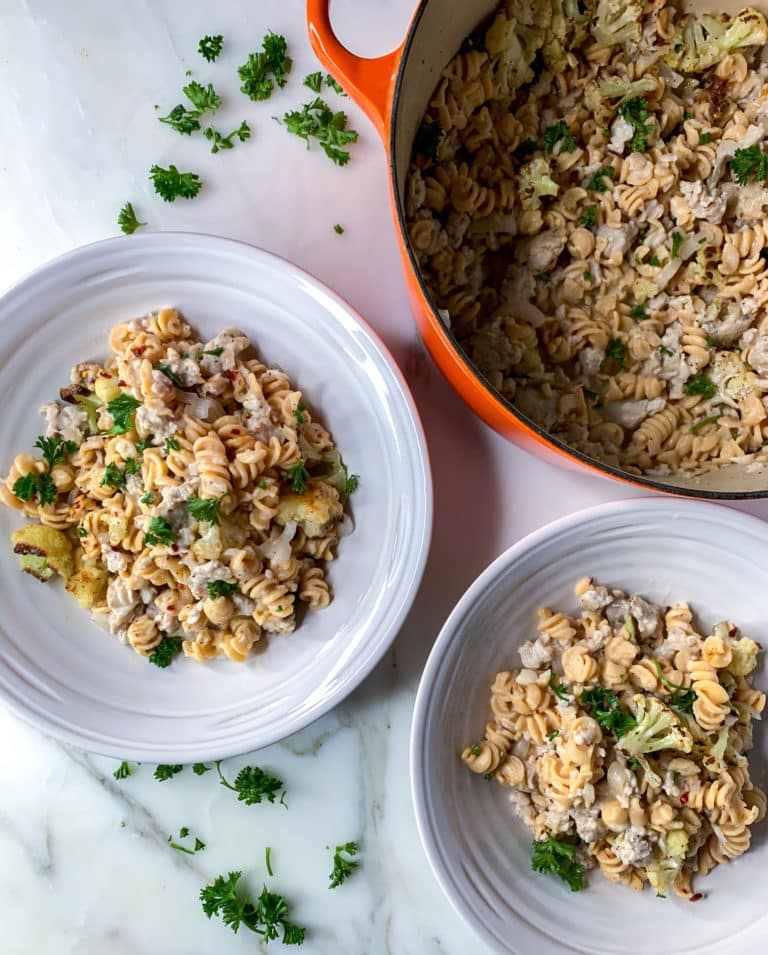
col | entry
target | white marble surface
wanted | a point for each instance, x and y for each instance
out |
(85, 867)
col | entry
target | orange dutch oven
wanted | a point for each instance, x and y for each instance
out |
(394, 91)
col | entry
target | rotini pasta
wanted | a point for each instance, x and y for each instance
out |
(624, 744)
(185, 493)
(582, 207)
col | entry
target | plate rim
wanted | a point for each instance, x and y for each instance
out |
(422, 495)
(427, 831)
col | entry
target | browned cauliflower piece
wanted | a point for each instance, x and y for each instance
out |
(43, 551)
(315, 511)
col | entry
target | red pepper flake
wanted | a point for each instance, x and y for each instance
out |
(732, 631)
(104, 374)
(139, 350)
(171, 608)
(122, 383)
(684, 798)
(232, 375)
(175, 548)
(696, 896)
(236, 431)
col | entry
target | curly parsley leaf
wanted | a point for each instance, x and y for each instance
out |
(205, 508)
(427, 140)
(265, 917)
(588, 216)
(31, 486)
(164, 772)
(635, 112)
(258, 72)
(171, 444)
(121, 409)
(210, 47)
(314, 81)
(203, 98)
(221, 588)
(219, 142)
(638, 311)
(200, 768)
(170, 184)
(606, 709)
(596, 182)
(343, 867)
(558, 134)
(160, 532)
(113, 476)
(163, 654)
(316, 120)
(615, 356)
(351, 485)
(127, 219)
(183, 120)
(700, 385)
(338, 229)
(54, 450)
(749, 163)
(252, 785)
(336, 87)
(298, 476)
(123, 771)
(558, 856)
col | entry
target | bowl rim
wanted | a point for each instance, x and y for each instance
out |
(422, 494)
(427, 829)
(474, 379)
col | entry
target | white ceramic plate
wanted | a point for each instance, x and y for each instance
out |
(61, 672)
(668, 550)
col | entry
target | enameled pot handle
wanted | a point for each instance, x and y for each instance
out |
(368, 81)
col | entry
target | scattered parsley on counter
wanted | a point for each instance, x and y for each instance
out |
(748, 163)
(260, 69)
(342, 867)
(123, 771)
(252, 785)
(558, 856)
(558, 134)
(127, 220)
(268, 860)
(210, 47)
(700, 385)
(160, 532)
(200, 768)
(163, 654)
(314, 81)
(265, 916)
(203, 98)
(351, 485)
(183, 120)
(183, 833)
(170, 184)
(219, 142)
(339, 230)
(221, 588)
(316, 120)
(164, 772)
(336, 87)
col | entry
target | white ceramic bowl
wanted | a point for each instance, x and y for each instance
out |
(62, 673)
(668, 550)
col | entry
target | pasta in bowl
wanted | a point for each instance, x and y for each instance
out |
(600, 721)
(74, 681)
(184, 492)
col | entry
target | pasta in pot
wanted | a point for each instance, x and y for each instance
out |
(586, 203)
(184, 491)
(625, 744)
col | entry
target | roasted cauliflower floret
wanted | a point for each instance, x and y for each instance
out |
(744, 658)
(658, 727)
(315, 511)
(617, 21)
(663, 871)
(703, 41)
(536, 179)
(43, 551)
(88, 584)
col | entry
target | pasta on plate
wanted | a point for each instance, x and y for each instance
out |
(184, 492)
(623, 739)
(587, 204)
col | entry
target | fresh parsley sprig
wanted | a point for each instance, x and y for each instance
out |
(128, 220)
(163, 654)
(160, 532)
(558, 134)
(205, 508)
(635, 112)
(343, 867)
(113, 476)
(314, 81)
(749, 163)
(605, 708)
(164, 772)
(261, 69)
(700, 385)
(219, 142)
(54, 450)
(123, 771)
(558, 856)
(183, 120)
(170, 184)
(121, 409)
(316, 120)
(252, 785)
(298, 476)
(265, 917)
(221, 588)
(210, 47)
